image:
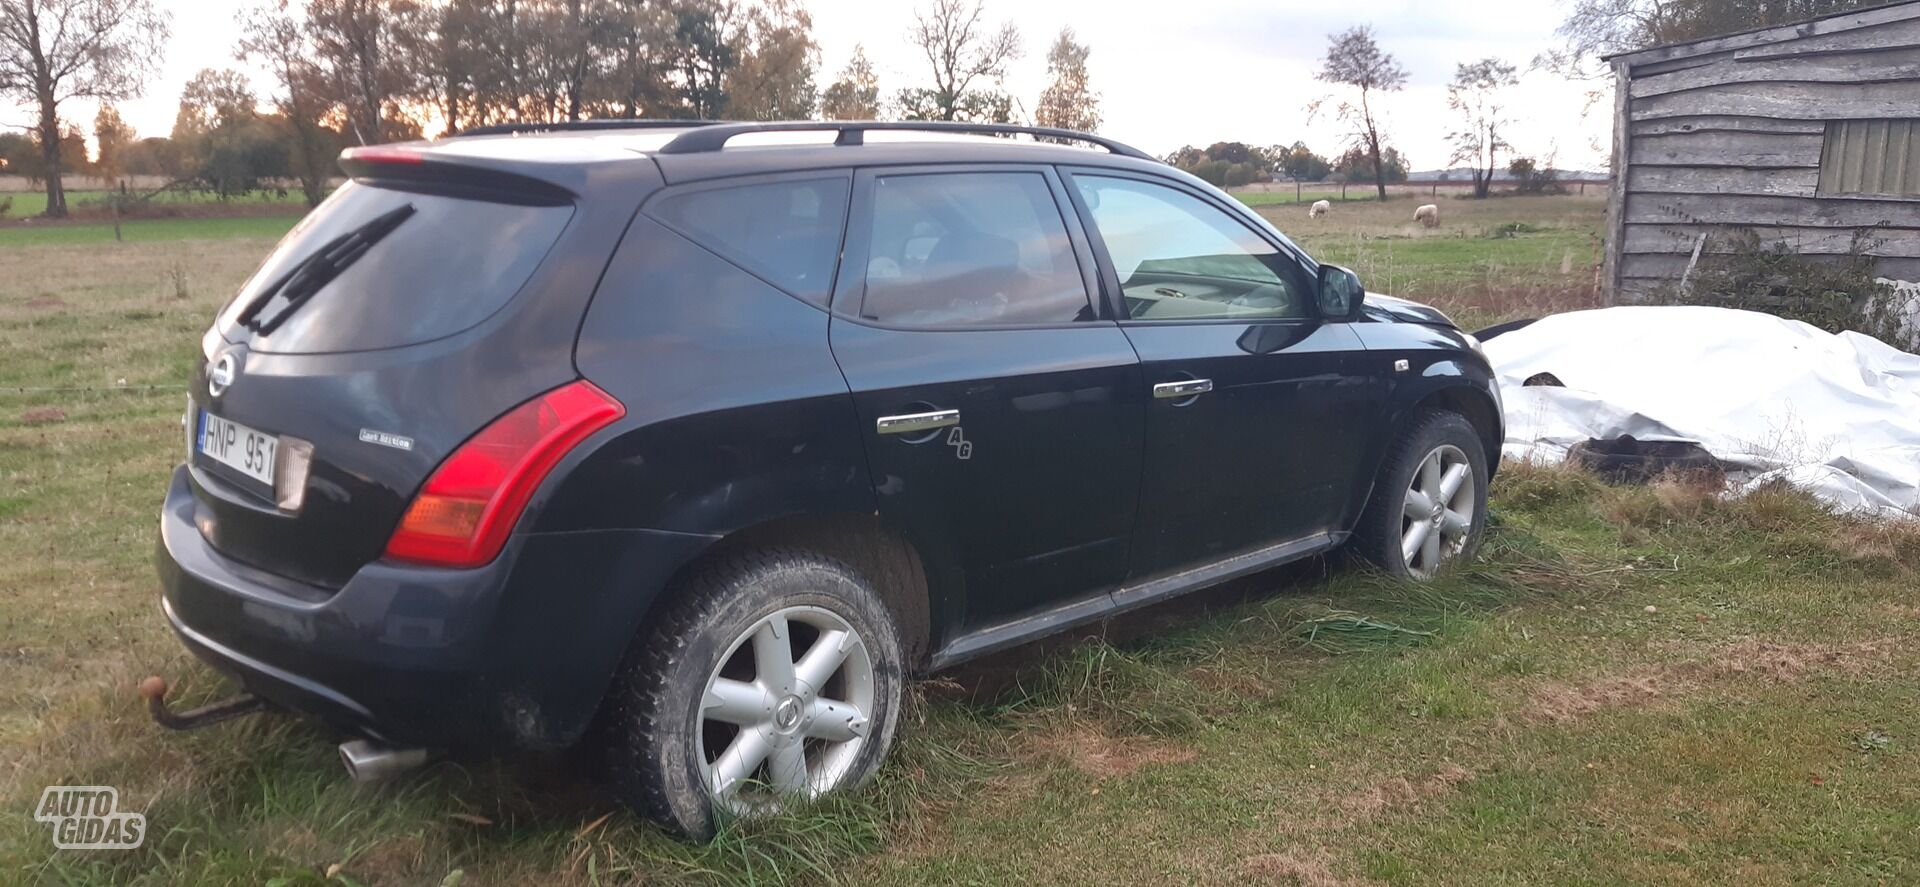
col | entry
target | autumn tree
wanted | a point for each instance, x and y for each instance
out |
(773, 79)
(1068, 102)
(1478, 95)
(227, 146)
(1358, 165)
(699, 58)
(855, 94)
(962, 50)
(634, 36)
(369, 52)
(272, 38)
(1354, 60)
(111, 138)
(52, 51)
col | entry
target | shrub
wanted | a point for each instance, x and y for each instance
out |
(1835, 294)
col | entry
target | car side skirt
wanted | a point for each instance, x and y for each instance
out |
(1107, 604)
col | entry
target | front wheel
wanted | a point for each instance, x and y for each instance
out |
(772, 678)
(1429, 505)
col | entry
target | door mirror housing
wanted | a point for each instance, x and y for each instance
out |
(1341, 293)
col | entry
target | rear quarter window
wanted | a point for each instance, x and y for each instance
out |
(451, 264)
(786, 233)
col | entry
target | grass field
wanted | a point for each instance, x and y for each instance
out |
(1640, 685)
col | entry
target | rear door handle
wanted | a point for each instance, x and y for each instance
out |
(1182, 389)
(914, 423)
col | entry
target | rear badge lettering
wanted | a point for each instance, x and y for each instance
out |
(368, 435)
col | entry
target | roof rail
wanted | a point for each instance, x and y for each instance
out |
(601, 123)
(713, 138)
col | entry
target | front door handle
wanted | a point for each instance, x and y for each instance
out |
(1182, 389)
(914, 423)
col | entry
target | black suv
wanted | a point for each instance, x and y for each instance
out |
(692, 441)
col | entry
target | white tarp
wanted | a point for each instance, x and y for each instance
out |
(1836, 414)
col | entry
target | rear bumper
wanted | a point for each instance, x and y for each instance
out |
(515, 654)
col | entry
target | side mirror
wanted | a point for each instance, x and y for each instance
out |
(1341, 293)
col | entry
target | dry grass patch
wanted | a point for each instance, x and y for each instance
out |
(1399, 793)
(1295, 869)
(1101, 755)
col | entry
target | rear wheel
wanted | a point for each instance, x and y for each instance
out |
(1429, 505)
(774, 677)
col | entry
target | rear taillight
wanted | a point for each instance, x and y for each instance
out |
(466, 510)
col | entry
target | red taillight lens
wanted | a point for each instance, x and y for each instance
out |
(466, 510)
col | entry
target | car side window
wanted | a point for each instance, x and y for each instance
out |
(786, 233)
(970, 249)
(1180, 258)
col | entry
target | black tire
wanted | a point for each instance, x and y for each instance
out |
(652, 742)
(1383, 525)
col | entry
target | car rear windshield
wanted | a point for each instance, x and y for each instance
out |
(376, 268)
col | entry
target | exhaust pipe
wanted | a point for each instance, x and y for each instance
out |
(367, 762)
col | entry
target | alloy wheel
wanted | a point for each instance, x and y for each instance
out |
(786, 714)
(1437, 519)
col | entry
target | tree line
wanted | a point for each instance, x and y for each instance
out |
(347, 72)
(354, 72)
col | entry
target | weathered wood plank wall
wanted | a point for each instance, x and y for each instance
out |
(1728, 134)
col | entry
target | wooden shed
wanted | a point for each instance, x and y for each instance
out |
(1805, 134)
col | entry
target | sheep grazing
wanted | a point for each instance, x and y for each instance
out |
(1428, 215)
(1320, 208)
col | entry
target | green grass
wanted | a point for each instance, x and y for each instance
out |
(1526, 722)
(33, 203)
(147, 230)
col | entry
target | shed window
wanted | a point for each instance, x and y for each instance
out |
(1880, 157)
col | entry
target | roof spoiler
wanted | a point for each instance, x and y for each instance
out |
(409, 169)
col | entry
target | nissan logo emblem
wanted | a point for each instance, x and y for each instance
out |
(220, 375)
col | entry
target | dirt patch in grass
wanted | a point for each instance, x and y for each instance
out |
(1295, 869)
(1743, 660)
(43, 415)
(1103, 756)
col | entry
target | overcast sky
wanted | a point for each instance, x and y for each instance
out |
(1169, 73)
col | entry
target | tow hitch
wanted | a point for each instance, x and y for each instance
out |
(155, 691)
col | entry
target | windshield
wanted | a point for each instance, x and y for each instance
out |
(376, 268)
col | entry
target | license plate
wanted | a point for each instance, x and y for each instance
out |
(238, 447)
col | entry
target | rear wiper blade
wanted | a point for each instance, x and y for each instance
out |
(316, 271)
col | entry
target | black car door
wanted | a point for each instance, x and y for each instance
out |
(1258, 410)
(1001, 410)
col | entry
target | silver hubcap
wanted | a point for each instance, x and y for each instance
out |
(785, 714)
(1438, 516)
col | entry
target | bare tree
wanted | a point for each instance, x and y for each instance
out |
(961, 51)
(1069, 101)
(272, 37)
(1596, 28)
(855, 95)
(55, 50)
(1355, 60)
(1477, 93)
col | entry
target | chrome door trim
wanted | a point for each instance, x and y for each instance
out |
(914, 423)
(1182, 389)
